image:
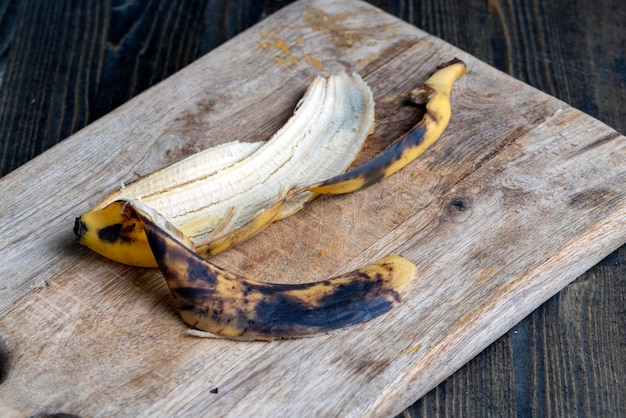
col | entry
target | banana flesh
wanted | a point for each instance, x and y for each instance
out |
(320, 140)
(227, 305)
(192, 169)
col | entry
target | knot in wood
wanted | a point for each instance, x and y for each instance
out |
(458, 204)
(457, 209)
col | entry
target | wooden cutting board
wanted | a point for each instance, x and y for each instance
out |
(520, 196)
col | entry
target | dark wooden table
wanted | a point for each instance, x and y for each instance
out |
(63, 64)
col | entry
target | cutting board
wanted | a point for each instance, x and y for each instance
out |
(521, 195)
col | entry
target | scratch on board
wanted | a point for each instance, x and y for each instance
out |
(412, 349)
(369, 58)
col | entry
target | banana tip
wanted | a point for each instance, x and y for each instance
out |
(405, 269)
(79, 228)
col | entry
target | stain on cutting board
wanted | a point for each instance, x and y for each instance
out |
(339, 33)
(288, 55)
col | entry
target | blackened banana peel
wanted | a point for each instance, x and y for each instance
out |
(227, 305)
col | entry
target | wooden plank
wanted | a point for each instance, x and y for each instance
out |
(518, 198)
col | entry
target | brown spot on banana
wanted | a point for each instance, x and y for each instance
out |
(228, 305)
(436, 94)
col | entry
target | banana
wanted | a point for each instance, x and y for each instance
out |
(204, 199)
(227, 305)
(223, 304)
(435, 92)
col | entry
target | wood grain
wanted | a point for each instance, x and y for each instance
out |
(519, 39)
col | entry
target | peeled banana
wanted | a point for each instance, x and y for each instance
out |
(212, 194)
(227, 305)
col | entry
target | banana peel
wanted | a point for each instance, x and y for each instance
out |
(226, 305)
(435, 93)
